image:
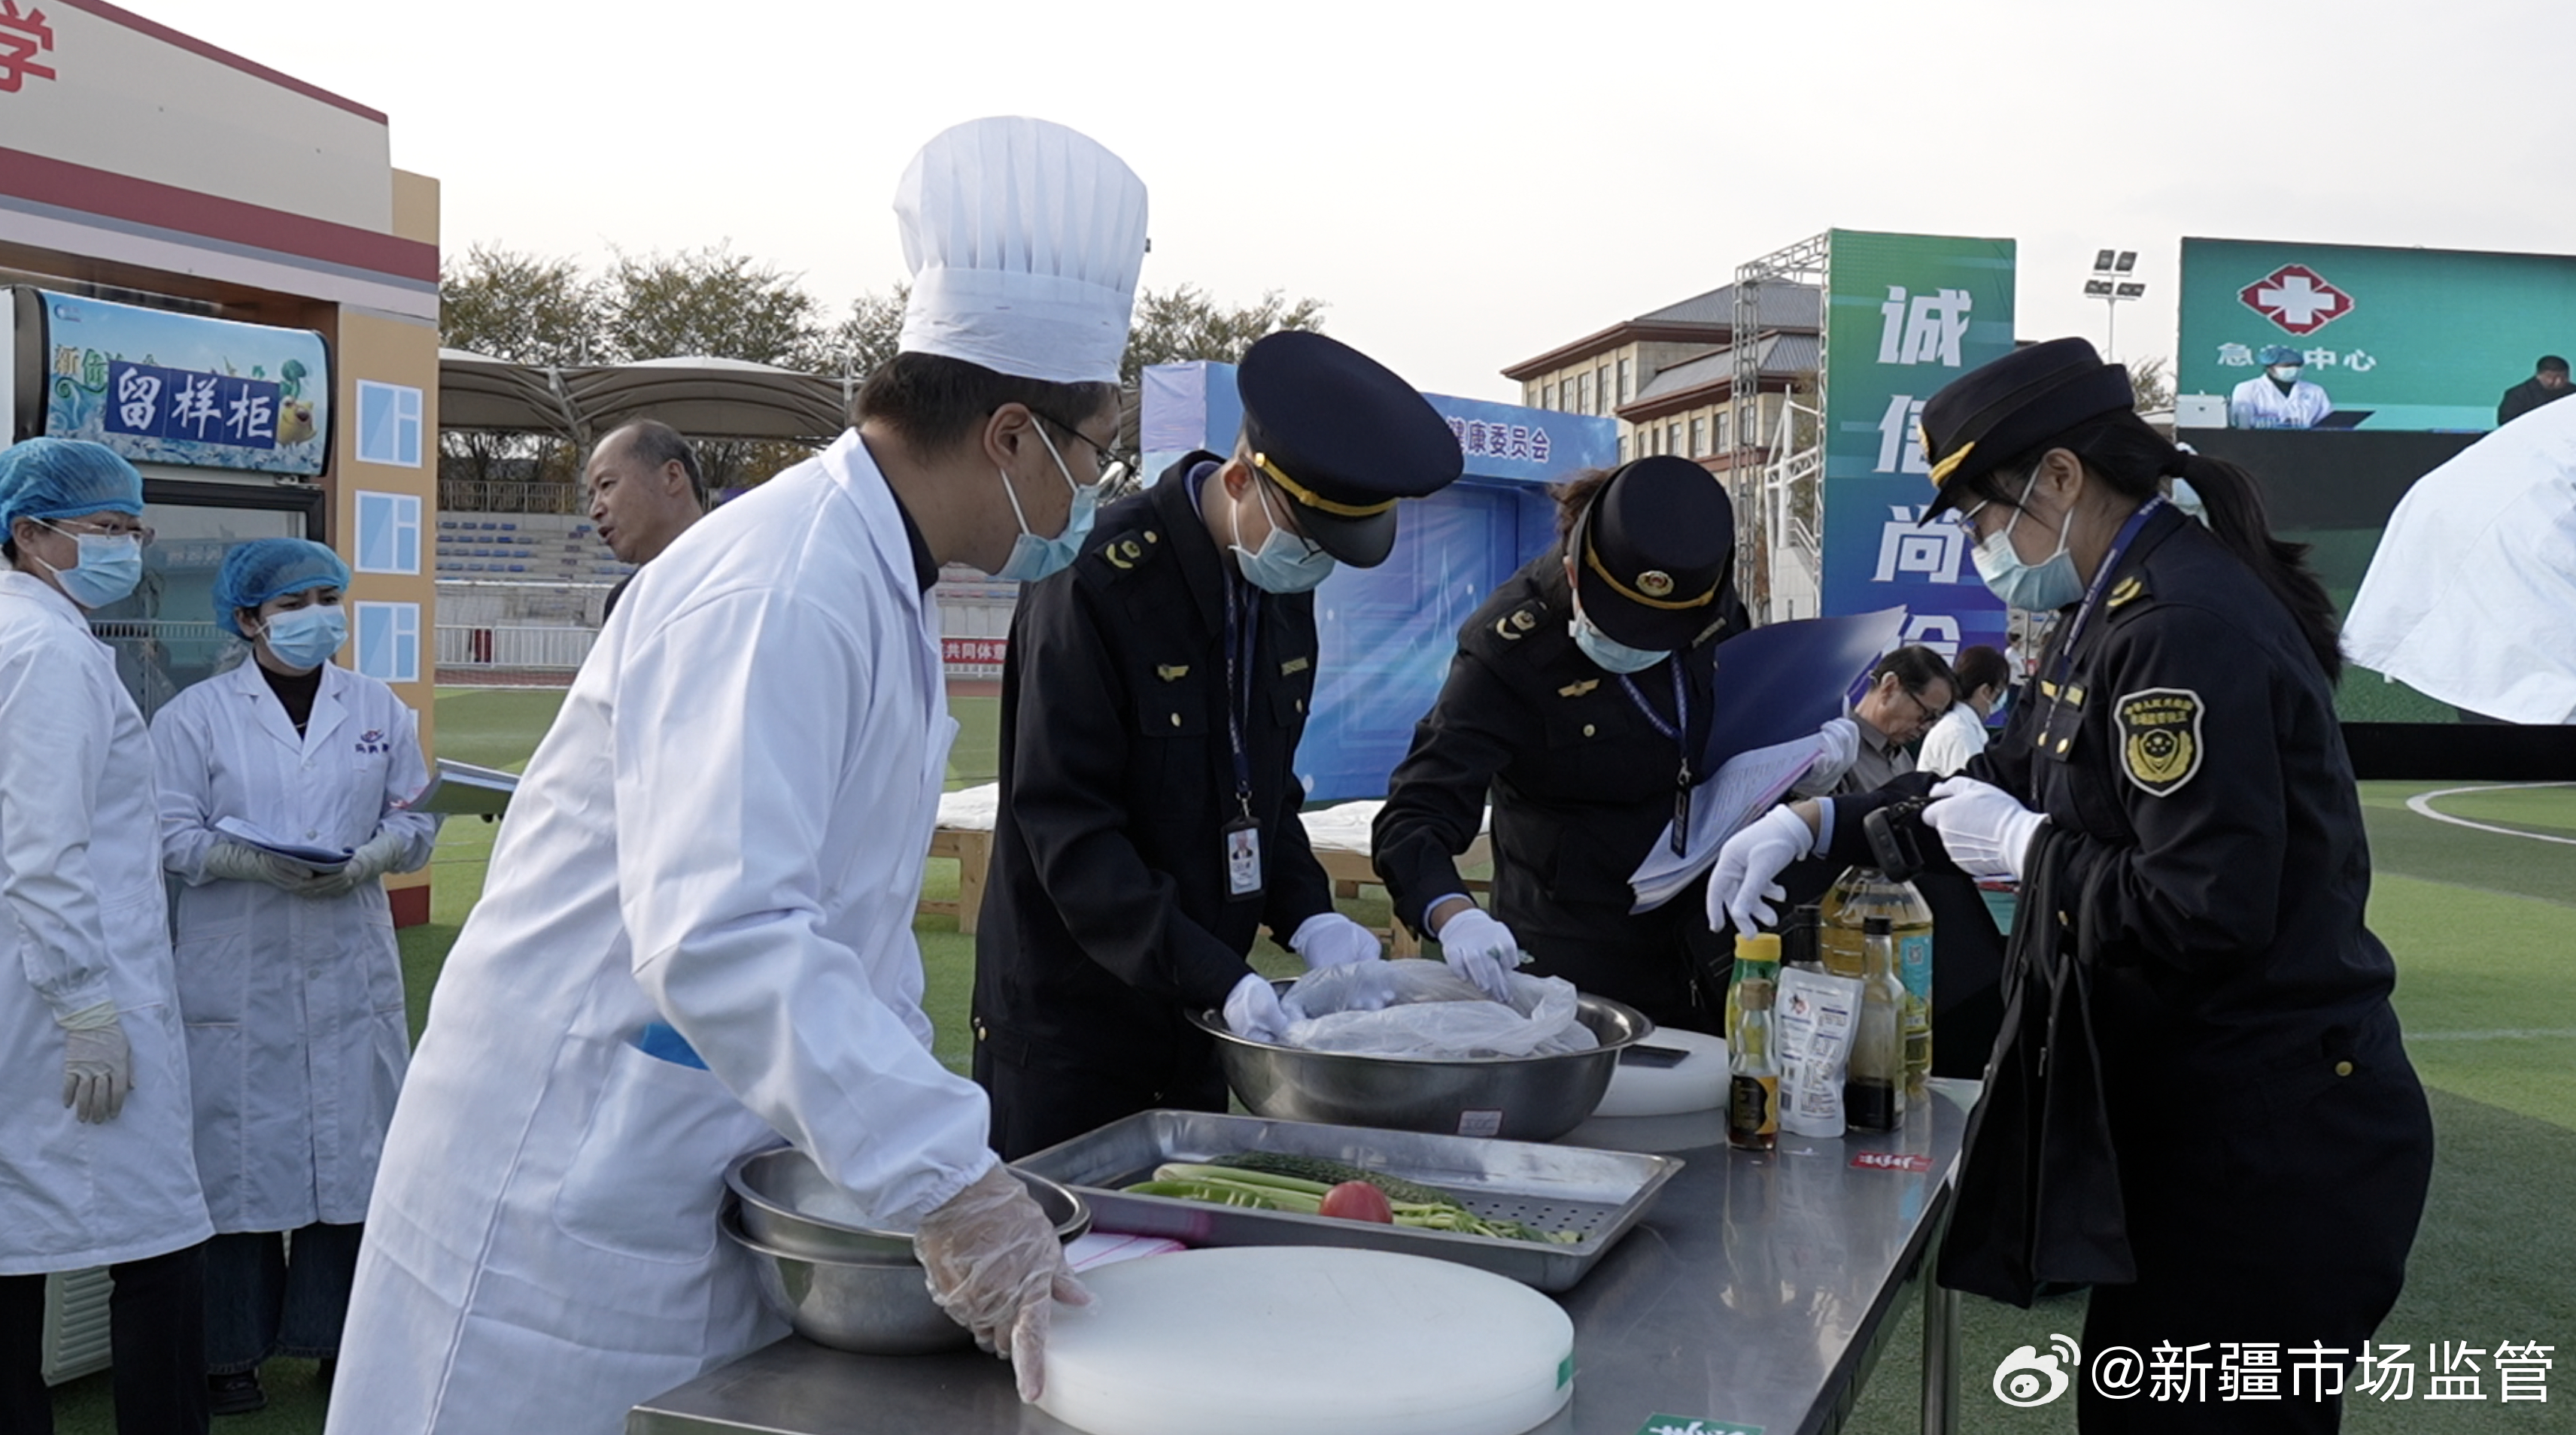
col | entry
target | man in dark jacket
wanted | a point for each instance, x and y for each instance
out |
(2548, 384)
(1151, 707)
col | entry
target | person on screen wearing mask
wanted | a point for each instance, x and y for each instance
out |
(1152, 702)
(96, 1168)
(696, 941)
(645, 491)
(289, 979)
(1579, 697)
(2547, 385)
(2278, 398)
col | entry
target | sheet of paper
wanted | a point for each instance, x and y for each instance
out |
(320, 859)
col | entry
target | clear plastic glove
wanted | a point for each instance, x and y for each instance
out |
(1480, 949)
(994, 1264)
(1253, 1012)
(98, 1067)
(241, 862)
(1329, 939)
(1986, 829)
(365, 865)
(1745, 882)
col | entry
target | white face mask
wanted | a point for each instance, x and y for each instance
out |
(2284, 373)
(1033, 557)
(1285, 563)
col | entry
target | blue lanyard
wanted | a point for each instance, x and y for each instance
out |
(1242, 636)
(1680, 736)
(2101, 580)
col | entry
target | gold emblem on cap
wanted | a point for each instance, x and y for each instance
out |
(1524, 620)
(1655, 583)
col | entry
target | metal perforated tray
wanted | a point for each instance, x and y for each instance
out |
(1564, 1188)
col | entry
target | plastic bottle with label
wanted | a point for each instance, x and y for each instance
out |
(1753, 1077)
(1865, 892)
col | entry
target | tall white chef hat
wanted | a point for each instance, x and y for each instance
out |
(1024, 238)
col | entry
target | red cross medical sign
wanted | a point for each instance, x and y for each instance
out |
(2297, 298)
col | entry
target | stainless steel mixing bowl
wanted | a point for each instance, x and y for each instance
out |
(875, 1303)
(1532, 1098)
(788, 1204)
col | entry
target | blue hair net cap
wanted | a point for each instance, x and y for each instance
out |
(266, 568)
(65, 478)
(2281, 354)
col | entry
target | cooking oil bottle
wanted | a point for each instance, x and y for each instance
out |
(1866, 892)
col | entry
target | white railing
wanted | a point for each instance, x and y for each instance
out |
(560, 649)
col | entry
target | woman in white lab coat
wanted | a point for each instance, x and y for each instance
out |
(94, 1160)
(289, 980)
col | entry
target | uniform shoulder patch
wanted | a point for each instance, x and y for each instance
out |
(2160, 742)
(1520, 622)
(2128, 590)
(1125, 553)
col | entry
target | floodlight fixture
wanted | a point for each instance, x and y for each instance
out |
(2132, 291)
(2128, 261)
(2103, 259)
(2097, 288)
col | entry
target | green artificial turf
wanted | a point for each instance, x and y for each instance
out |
(2480, 924)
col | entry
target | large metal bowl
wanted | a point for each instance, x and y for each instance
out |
(787, 1204)
(1530, 1098)
(871, 1307)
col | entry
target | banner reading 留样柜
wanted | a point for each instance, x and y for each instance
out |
(1905, 314)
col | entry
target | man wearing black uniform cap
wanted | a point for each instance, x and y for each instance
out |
(2178, 779)
(1579, 695)
(1151, 707)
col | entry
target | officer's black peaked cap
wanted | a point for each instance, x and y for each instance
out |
(1343, 438)
(1657, 551)
(1989, 416)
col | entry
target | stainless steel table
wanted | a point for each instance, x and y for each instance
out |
(1753, 1296)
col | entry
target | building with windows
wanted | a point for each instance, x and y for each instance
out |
(1668, 376)
(216, 270)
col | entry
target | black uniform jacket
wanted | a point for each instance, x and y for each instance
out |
(1106, 913)
(2189, 744)
(1582, 782)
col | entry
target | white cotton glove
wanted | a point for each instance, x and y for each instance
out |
(241, 862)
(1838, 747)
(1253, 1012)
(994, 1264)
(1985, 828)
(1329, 939)
(1481, 950)
(1745, 882)
(365, 865)
(98, 1067)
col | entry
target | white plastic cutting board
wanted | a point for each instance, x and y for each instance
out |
(1695, 1083)
(1292, 1340)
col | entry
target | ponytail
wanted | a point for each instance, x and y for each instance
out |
(2236, 516)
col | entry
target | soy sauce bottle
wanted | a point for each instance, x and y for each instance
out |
(1874, 1083)
(1753, 1075)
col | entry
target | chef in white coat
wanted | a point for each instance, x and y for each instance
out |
(289, 980)
(696, 939)
(95, 1167)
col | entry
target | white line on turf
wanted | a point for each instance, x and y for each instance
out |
(2562, 1033)
(2422, 805)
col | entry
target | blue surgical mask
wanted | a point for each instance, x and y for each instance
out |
(1033, 557)
(1285, 562)
(2040, 587)
(305, 638)
(1610, 657)
(110, 566)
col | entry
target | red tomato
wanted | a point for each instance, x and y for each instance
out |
(1359, 1201)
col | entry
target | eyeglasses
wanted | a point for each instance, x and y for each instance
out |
(1115, 468)
(94, 528)
(1965, 519)
(1926, 711)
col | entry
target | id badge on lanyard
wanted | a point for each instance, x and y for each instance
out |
(1241, 837)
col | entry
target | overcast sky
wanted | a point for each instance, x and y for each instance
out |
(1468, 185)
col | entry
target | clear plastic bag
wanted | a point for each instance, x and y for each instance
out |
(1421, 1009)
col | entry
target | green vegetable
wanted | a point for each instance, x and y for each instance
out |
(1332, 1173)
(1420, 1207)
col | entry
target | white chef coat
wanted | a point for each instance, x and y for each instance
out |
(2258, 403)
(1960, 734)
(86, 922)
(725, 831)
(297, 1038)
(2471, 597)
